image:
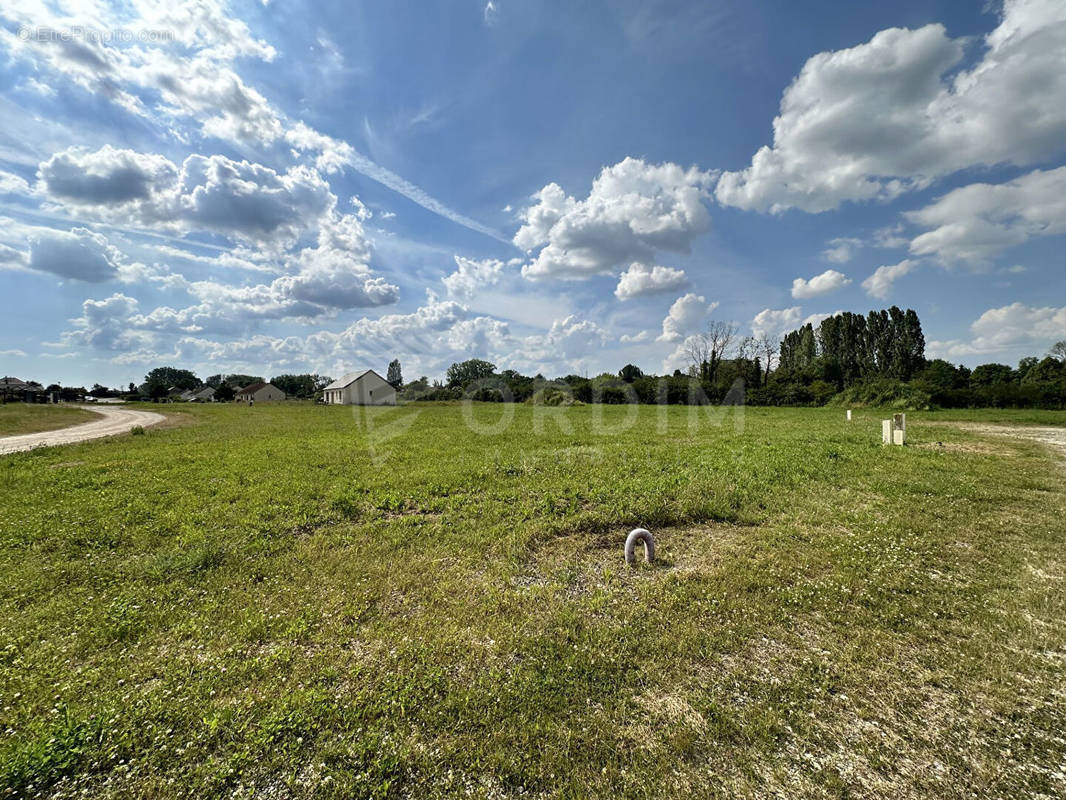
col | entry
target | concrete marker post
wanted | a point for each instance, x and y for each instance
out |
(894, 431)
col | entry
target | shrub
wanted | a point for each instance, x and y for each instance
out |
(821, 392)
(886, 393)
(137, 430)
(553, 396)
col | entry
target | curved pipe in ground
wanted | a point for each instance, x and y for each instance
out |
(640, 535)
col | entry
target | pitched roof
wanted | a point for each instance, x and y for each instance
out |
(347, 380)
(252, 388)
(205, 393)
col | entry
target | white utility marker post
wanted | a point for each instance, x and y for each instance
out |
(894, 431)
(849, 415)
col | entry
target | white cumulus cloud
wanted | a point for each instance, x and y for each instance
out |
(774, 323)
(1009, 327)
(974, 223)
(686, 316)
(570, 338)
(633, 210)
(10, 183)
(472, 274)
(890, 115)
(842, 249)
(879, 284)
(105, 177)
(645, 279)
(828, 281)
(79, 253)
(190, 75)
(208, 193)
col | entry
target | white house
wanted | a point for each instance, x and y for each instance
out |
(260, 393)
(365, 388)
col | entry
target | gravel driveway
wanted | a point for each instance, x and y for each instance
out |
(115, 421)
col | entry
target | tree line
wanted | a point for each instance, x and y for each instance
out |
(880, 359)
(874, 359)
(849, 347)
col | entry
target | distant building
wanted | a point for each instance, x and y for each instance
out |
(25, 391)
(12, 386)
(260, 393)
(205, 395)
(365, 388)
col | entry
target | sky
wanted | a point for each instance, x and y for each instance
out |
(272, 187)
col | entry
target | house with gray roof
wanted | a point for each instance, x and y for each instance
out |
(365, 388)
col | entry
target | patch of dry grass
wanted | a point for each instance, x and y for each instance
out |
(19, 418)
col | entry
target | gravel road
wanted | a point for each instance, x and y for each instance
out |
(115, 421)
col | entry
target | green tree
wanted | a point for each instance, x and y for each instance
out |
(413, 389)
(464, 373)
(991, 375)
(879, 342)
(303, 386)
(161, 379)
(808, 350)
(630, 372)
(843, 343)
(912, 345)
(237, 380)
(393, 375)
(521, 386)
(1026, 364)
(943, 375)
(224, 393)
(1050, 370)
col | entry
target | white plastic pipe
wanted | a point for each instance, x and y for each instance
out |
(640, 535)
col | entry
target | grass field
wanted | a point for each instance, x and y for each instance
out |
(18, 418)
(303, 601)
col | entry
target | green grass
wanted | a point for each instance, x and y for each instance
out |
(19, 418)
(307, 601)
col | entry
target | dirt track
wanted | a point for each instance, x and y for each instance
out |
(1053, 437)
(115, 421)
(1056, 437)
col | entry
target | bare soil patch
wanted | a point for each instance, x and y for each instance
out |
(1053, 437)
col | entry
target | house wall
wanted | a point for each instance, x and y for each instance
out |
(371, 390)
(268, 394)
(368, 390)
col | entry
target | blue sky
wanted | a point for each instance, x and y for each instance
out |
(556, 187)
